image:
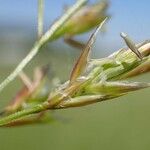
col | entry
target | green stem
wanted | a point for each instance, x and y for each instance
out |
(18, 115)
(40, 17)
(48, 35)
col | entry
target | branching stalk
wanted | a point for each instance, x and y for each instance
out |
(102, 82)
(49, 34)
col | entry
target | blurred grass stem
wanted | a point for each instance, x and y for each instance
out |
(40, 17)
(49, 34)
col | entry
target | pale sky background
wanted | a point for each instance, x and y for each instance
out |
(130, 16)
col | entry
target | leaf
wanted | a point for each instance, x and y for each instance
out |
(140, 69)
(83, 59)
(85, 100)
(114, 88)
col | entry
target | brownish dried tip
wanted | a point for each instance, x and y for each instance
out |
(83, 59)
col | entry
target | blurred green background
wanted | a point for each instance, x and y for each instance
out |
(122, 123)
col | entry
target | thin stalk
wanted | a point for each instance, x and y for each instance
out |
(73, 102)
(49, 34)
(20, 114)
(40, 17)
